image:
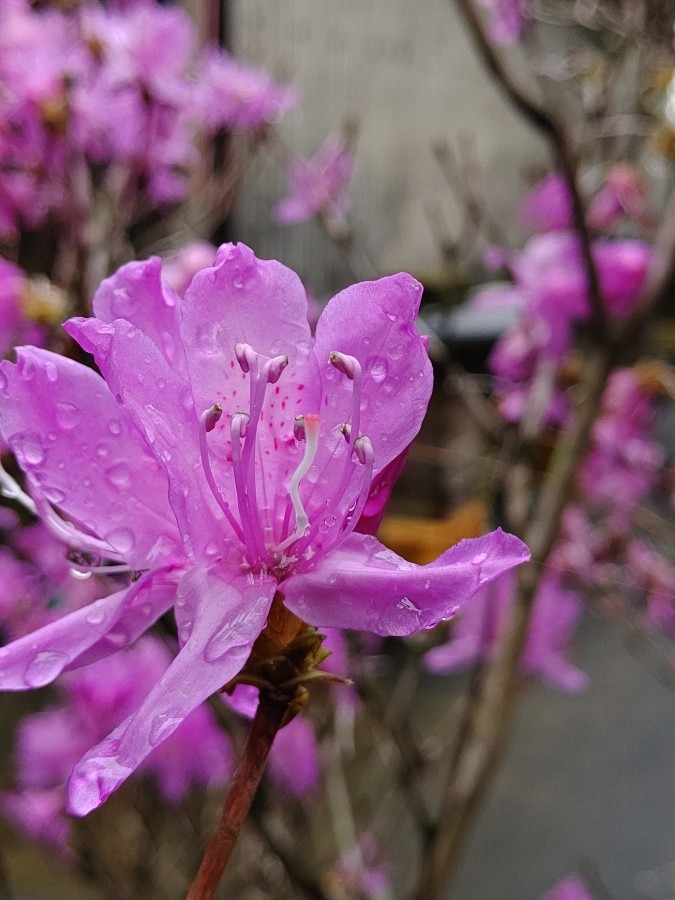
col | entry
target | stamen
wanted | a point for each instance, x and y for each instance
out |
(274, 367)
(351, 367)
(246, 356)
(68, 533)
(251, 537)
(10, 488)
(343, 363)
(102, 570)
(363, 450)
(311, 426)
(209, 419)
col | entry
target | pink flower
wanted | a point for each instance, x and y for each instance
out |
(318, 185)
(294, 764)
(93, 700)
(482, 623)
(570, 888)
(40, 815)
(548, 205)
(506, 20)
(181, 266)
(224, 455)
(233, 95)
(623, 196)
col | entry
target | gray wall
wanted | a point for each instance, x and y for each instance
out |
(407, 71)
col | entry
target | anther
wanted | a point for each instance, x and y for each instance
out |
(274, 367)
(212, 417)
(344, 363)
(363, 449)
(246, 356)
(346, 430)
(299, 430)
(239, 425)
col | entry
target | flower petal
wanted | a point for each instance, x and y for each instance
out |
(159, 403)
(38, 658)
(242, 299)
(137, 293)
(375, 322)
(229, 616)
(83, 454)
(364, 586)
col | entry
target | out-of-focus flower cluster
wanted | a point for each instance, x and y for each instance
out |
(599, 550)
(92, 701)
(100, 88)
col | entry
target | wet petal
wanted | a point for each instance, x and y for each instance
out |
(228, 617)
(242, 299)
(38, 658)
(364, 586)
(84, 455)
(137, 293)
(375, 322)
(159, 403)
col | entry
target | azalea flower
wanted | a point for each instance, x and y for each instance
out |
(92, 700)
(318, 185)
(481, 626)
(224, 458)
(570, 888)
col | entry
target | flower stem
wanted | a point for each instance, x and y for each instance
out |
(268, 719)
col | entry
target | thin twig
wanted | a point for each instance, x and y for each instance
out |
(557, 137)
(294, 869)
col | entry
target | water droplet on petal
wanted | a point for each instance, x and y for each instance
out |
(122, 539)
(115, 426)
(406, 603)
(28, 447)
(51, 371)
(44, 667)
(162, 726)
(53, 494)
(96, 616)
(378, 371)
(67, 415)
(479, 559)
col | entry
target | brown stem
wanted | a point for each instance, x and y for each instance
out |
(267, 721)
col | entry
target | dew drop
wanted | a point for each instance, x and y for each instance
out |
(206, 337)
(169, 346)
(51, 371)
(44, 667)
(122, 539)
(479, 559)
(162, 726)
(53, 494)
(96, 616)
(3, 383)
(67, 415)
(115, 426)
(28, 447)
(119, 475)
(378, 372)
